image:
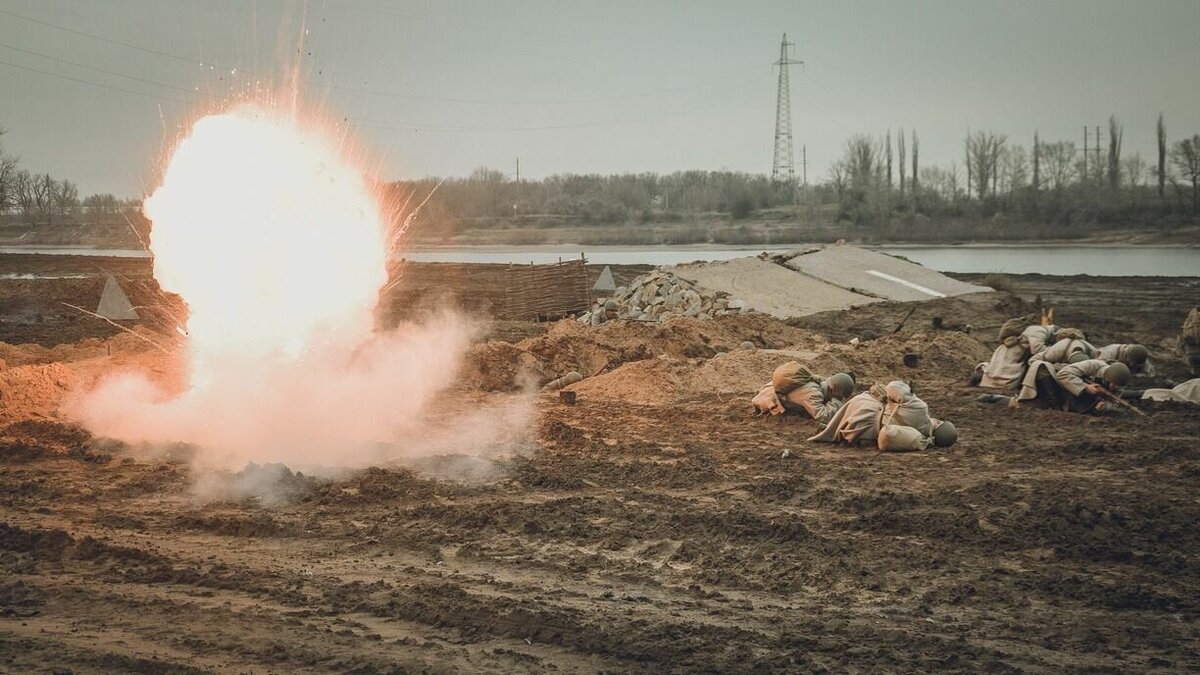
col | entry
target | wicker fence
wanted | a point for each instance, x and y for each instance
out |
(520, 292)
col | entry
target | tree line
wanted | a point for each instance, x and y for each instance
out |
(1051, 179)
(1049, 188)
(39, 198)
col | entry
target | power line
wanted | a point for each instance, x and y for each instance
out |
(690, 107)
(94, 84)
(98, 70)
(598, 99)
(111, 41)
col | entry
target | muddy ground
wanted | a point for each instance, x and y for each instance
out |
(629, 536)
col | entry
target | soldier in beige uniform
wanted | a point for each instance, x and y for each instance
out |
(1136, 357)
(856, 421)
(1074, 387)
(820, 400)
(793, 387)
(1189, 341)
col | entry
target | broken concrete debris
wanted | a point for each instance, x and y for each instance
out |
(662, 295)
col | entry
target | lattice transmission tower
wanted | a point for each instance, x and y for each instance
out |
(783, 168)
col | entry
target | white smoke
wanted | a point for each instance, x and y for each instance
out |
(276, 244)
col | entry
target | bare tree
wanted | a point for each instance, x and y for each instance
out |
(1014, 168)
(1037, 164)
(901, 158)
(1116, 132)
(888, 143)
(1162, 154)
(1133, 168)
(1059, 162)
(952, 177)
(915, 148)
(8, 176)
(863, 162)
(66, 198)
(23, 193)
(983, 157)
(837, 177)
(1185, 155)
(43, 189)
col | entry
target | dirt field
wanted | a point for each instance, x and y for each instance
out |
(651, 527)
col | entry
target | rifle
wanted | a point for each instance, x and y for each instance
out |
(1113, 397)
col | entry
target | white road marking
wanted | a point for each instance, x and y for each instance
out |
(915, 287)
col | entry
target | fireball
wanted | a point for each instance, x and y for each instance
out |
(269, 234)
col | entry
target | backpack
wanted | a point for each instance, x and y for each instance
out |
(791, 376)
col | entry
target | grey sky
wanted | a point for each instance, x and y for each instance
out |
(441, 87)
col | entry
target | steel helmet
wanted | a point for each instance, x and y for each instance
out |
(945, 435)
(841, 386)
(1116, 374)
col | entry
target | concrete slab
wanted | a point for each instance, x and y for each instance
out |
(605, 283)
(114, 304)
(879, 274)
(770, 288)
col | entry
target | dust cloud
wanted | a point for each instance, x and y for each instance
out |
(275, 241)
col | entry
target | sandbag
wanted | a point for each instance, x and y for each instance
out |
(1069, 334)
(897, 438)
(1191, 326)
(766, 401)
(791, 375)
(905, 409)
(1011, 328)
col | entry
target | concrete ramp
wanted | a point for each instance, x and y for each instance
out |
(114, 304)
(878, 274)
(770, 288)
(605, 283)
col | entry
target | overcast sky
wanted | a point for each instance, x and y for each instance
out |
(443, 86)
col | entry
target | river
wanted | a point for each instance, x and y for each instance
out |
(1099, 260)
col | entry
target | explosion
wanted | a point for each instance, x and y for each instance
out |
(268, 234)
(278, 247)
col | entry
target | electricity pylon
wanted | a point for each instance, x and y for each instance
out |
(783, 168)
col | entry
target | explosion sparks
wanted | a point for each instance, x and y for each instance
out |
(276, 243)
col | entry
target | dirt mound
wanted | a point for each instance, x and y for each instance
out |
(940, 355)
(87, 348)
(674, 378)
(667, 379)
(501, 366)
(33, 392)
(31, 439)
(569, 345)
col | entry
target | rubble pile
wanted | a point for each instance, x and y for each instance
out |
(660, 296)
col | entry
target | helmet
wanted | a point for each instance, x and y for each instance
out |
(1136, 355)
(1077, 357)
(945, 435)
(610, 305)
(1116, 374)
(841, 385)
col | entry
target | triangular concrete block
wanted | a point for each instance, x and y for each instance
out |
(605, 282)
(114, 304)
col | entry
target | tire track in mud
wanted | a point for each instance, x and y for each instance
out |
(634, 539)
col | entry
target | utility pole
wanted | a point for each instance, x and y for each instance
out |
(804, 162)
(1083, 178)
(517, 205)
(783, 168)
(1096, 165)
